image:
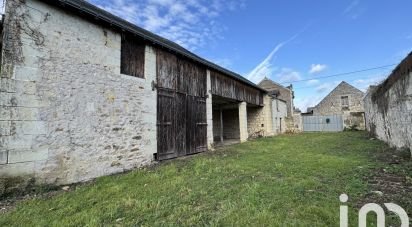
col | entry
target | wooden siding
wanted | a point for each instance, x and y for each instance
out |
(181, 75)
(181, 108)
(229, 88)
(132, 57)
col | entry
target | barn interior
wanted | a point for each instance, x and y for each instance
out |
(226, 128)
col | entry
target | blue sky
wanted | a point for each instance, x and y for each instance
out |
(284, 40)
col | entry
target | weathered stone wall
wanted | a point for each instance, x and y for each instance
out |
(67, 114)
(279, 115)
(332, 105)
(295, 124)
(388, 107)
(255, 122)
(284, 93)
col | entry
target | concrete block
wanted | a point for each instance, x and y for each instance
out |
(7, 71)
(18, 142)
(7, 85)
(4, 128)
(27, 73)
(18, 156)
(5, 99)
(25, 113)
(17, 169)
(3, 157)
(24, 100)
(150, 64)
(5, 113)
(34, 127)
(243, 122)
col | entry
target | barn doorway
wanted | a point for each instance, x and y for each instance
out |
(226, 128)
(181, 107)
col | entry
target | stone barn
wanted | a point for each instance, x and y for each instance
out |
(344, 100)
(86, 94)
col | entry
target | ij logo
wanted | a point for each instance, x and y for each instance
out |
(372, 207)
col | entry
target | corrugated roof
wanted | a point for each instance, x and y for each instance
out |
(98, 14)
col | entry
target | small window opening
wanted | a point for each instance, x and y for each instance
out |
(132, 56)
(345, 101)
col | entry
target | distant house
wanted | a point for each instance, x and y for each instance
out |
(283, 93)
(345, 100)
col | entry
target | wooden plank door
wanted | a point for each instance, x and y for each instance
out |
(196, 125)
(201, 125)
(166, 124)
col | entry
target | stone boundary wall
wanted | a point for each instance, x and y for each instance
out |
(67, 114)
(388, 107)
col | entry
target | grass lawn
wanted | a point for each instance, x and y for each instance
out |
(285, 180)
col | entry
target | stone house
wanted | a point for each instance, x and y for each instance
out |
(388, 107)
(345, 100)
(86, 94)
(292, 122)
(281, 92)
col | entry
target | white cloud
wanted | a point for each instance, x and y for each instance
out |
(317, 68)
(308, 101)
(287, 75)
(327, 87)
(190, 23)
(312, 82)
(353, 10)
(351, 7)
(266, 68)
(313, 98)
(363, 84)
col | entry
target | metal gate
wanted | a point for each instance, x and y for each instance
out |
(331, 123)
(181, 107)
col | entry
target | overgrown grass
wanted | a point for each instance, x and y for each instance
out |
(286, 180)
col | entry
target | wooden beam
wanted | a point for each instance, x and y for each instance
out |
(221, 125)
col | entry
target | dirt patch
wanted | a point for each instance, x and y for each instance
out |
(391, 183)
(9, 203)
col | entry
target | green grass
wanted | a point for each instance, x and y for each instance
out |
(285, 180)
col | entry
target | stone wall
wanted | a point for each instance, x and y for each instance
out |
(388, 107)
(294, 125)
(67, 114)
(283, 93)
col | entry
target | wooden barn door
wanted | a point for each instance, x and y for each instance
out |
(181, 107)
(166, 143)
(196, 125)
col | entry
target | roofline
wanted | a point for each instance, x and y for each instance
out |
(101, 15)
(352, 86)
(276, 83)
(335, 89)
